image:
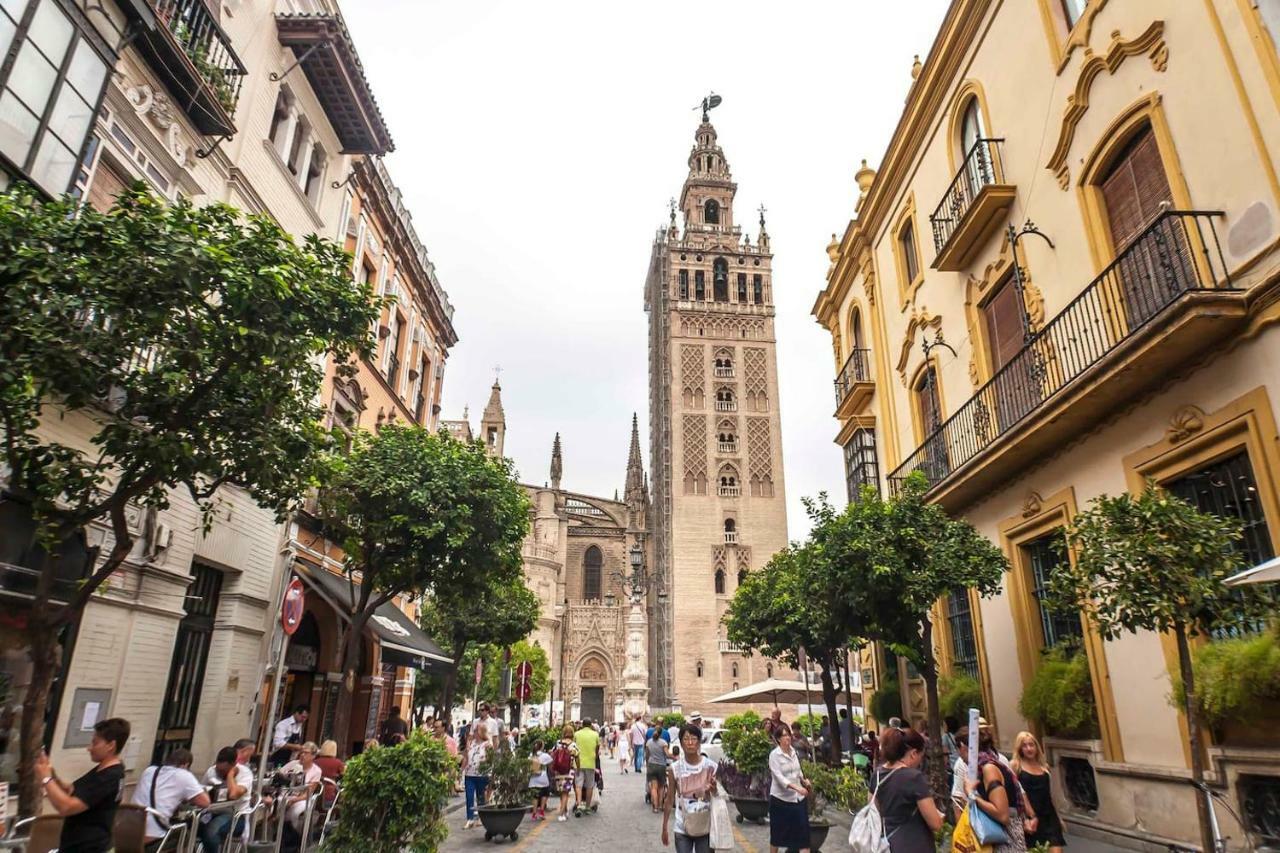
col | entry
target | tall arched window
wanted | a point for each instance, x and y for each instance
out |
(592, 567)
(742, 576)
(768, 670)
(711, 212)
(977, 158)
(735, 670)
(720, 280)
(699, 669)
(719, 581)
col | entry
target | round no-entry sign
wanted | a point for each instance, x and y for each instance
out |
(291, 608)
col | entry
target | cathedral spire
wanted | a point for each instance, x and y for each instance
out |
(635, 465)
(493, 423)
(707, 196)
(557, 464)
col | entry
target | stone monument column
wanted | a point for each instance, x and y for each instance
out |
(635, 676)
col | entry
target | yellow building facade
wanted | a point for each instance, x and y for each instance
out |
(1122, 328)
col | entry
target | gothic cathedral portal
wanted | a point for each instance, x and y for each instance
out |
(715, 438)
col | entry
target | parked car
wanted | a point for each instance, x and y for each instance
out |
(712, 745)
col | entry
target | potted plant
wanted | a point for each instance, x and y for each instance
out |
(508, 792)
(842, 788)
(1060, 695)
(745, 772)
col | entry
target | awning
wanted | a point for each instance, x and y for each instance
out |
(403, 642)
(1268, 572)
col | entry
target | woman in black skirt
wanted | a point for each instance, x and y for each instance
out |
(1028, 763)
(788, 789)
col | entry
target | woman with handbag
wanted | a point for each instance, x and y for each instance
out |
(996, 804)
(788, 790)
(902, 795)
(691, 782)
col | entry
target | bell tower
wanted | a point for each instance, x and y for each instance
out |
(718, 509)
(493, 423)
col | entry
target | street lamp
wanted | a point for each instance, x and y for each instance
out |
(635, 584)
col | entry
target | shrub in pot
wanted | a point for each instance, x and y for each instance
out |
(1237, 680)
(746, 750)
(957, 694)
(508, 793)
(393, 799)
(1060, 695)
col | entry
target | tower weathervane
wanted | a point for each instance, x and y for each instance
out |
(672, 204)
(763, 211)
(710, 102)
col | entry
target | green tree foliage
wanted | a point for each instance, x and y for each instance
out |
(508, 773)
(491, 675)
(1060, 695)
(1153, 562)
(793, 603)
(393, 799)
(886, 702)
(1237, 680)
(896, 558)
(957, 694)
(419, 514)
(493, 609)
(187, 343)
(746, 744)
(810, 725)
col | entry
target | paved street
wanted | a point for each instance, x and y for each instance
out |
(624, 823)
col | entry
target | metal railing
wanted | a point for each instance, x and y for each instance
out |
(1177, 254)
(857, 368)
(977, 171)
(206, 45)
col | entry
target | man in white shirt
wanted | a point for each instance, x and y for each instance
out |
(228, 782)
(491, 723)
(165, 789)
(638, 730)
(288, 735)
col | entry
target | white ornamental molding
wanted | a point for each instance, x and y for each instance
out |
(160, 112)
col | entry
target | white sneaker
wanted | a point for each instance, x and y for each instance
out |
(562, 818)
(470, 823)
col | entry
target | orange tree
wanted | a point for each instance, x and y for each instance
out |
(189, 343)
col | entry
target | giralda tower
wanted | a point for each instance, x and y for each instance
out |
(715, 433)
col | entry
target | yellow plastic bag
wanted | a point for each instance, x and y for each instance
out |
(962, 838)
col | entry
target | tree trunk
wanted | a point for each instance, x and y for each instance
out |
(848, 693)
(1193, 734)
(350, 676)
(451, 678)
(929, 671)
(44, 662)
(829, 699)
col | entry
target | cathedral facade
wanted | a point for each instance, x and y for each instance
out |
(577, 556)
(715, 435)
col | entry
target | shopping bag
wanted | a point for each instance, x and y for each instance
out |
(962, 838)
(986, 828)
(721, 824)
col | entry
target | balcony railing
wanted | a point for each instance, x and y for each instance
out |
(1176, 255)
(194, 55)
(724, 372)
(977, 171)
(729, 648)
(726, 406)
(729, 491)
(728, 447)
(730, 537)
(857, 368)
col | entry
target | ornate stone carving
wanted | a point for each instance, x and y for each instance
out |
(159, 110)
(1151, 42)
(921, 319)
(1186, 422)
(1031, 506)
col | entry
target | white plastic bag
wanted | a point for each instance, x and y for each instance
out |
(721, 824)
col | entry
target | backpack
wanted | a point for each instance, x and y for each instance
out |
(866, 833)
(561, 760)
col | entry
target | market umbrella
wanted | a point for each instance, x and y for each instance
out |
(1268, 572)
(777, 691)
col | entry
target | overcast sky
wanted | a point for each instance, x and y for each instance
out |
(537, 145)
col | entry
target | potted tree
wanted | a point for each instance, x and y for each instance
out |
(508, 792)
(744, 774)
(841, 788)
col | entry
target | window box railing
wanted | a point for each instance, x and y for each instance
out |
(1177, 255)
(971, 207)
(192, 54)
(855, 376)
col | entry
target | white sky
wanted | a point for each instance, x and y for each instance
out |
(538, 144)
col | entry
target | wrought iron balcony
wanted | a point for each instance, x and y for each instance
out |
(192, 55)
(853, 385)
(1165, 297)
(971, 208)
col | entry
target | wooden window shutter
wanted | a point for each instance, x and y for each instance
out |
(1134, 189)
(107, 184)
(930, 406)
(1003, 315)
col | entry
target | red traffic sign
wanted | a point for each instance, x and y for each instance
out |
(291, 608)
(524, 671)
(523, 691)
(479, 669)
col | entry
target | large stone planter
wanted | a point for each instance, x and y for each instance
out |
(751, 808)
(501, 821)
(818, 829)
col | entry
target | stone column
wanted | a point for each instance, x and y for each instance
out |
(635, 676)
